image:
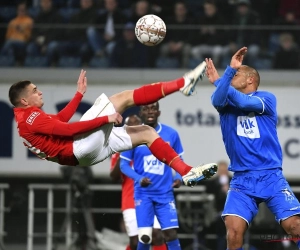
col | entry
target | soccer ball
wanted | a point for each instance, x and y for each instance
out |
(150, 30)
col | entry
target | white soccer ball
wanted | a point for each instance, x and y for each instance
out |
(150, 30)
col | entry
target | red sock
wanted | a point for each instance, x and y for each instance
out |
(172, 86)
(161, 247)
(153, 92)
(128, 247)
(163, 152)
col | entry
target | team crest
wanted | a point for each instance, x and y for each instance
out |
(288, 195)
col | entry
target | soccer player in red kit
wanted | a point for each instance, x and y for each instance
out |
(128, 207)
(94, 138)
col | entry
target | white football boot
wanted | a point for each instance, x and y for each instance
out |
(202, 172)
(191, 78)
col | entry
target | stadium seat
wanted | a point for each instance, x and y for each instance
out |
(69, 62)
(59, 3)
(167, 63)
(195, 7)
(67, 13)
(7, 61)
(99, 62)
(8, 12)
(33, 11)
(36, 61)
(263, 63)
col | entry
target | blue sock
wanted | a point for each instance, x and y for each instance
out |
(142, 246)
(298, 244)
(174, 245)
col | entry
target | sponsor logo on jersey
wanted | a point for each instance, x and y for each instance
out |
(32, 117)
(247, 126)
(153, 165)
(288, 195)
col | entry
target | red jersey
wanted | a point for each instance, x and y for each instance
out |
(50, 137)
(127, 185)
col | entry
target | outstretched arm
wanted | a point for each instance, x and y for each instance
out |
(211, 71)
(245, 102)
(66, 114)
(44, 124)
(219, 97)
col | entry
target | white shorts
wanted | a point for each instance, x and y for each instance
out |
(93, 147)
(129, 217)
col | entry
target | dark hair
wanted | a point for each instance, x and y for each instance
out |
(157, 105)
(15, 91)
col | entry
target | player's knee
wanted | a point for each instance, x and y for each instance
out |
(149, 131)
(145, 235)
(292, 226)
(170, 234)
(157, 237)
(234, 234)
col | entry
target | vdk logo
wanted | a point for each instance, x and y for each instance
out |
(247, 126)
(153, 165)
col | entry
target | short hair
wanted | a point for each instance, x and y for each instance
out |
(135, 116)
(252, 72)
(154, 103)
(16, 90)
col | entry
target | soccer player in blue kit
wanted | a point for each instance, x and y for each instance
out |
(154, 183)
(248, 120)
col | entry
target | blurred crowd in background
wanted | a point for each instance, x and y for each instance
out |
(100, 33)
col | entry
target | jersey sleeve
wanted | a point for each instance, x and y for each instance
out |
(269, 103)
(39, 122)
(245, 102)
(125, 166)
(67, 112)
(220, 95)
(127, 155)
(177, 146)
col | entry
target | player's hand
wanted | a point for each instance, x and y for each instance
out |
(237, 58)
(82, 82)
(211, 72)
(176, 183)
(145, 182)
(115, 118)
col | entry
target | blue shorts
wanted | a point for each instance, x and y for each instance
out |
(248, 189)
(162, 206)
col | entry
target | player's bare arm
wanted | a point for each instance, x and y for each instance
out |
(176, 183)
(82, 82)
(238, 57)
(211, 71)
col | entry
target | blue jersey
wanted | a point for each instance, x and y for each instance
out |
(147, 165)
(248, 124)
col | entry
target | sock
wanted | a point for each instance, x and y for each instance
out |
(174, 245)
(128, 247)
(153, 92)
(142, 246)
(161, 247)
(172, 86)
(237, 249)
(166, 154)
